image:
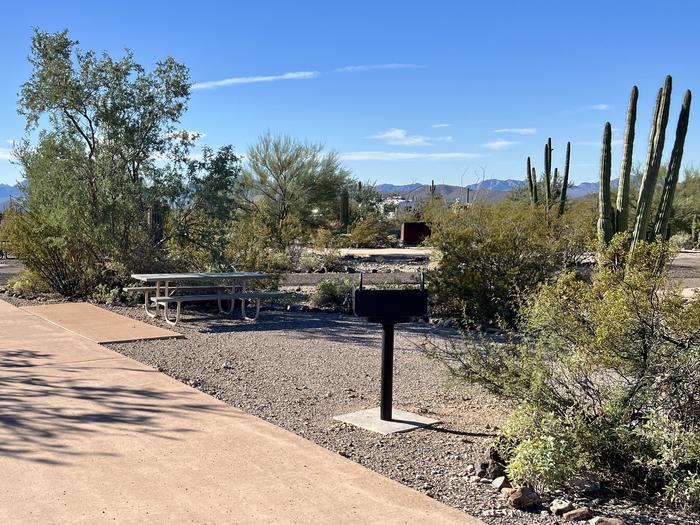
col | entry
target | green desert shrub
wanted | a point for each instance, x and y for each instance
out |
(681, 241)
(372, 232)
(332, 293)
(604, 374)
(27, 283)
(490, 256)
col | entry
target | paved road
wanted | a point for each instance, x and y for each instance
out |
(90, 436)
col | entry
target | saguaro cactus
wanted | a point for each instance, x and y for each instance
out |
(533, 177)
(605, 219)
(622, 208)
(433, 188)
(674, 167)
(652, 164)
(565, 180)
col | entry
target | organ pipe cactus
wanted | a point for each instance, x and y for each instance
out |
(642, 229)
(674, 167)
(622, 208)
(652, 164)
(548, 171)
(551, 182)
(605, 214)
(565, 180)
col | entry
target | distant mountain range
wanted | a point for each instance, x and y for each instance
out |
(489, 190)
(6, 192)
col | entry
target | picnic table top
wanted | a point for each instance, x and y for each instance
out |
(200, 276)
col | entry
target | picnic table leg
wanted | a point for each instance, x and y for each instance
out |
(146, 302)
(257, 310)
(177, 314)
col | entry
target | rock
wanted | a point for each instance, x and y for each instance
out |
(471, 470)
(523, 498)
(600, 520)
(507, 491)
(474, 479)
(481, 471)
(349, 269)
(558, 507)
(584, 485)
(580, 514)
(500, 483)
(495, 470)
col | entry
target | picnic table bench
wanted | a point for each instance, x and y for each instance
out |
(231, 287)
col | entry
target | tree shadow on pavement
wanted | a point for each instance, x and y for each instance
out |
(46, 409)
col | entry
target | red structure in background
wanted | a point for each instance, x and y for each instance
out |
(414, 233)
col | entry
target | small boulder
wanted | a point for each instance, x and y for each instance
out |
(584, 485)
(600, 520)
(523, 498)
(507, 491)
(559, 507)
(580, 514)
(495, 469)
(500, 483)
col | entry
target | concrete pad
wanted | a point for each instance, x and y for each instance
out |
(98, 324)
(90, 436)
(401, 421)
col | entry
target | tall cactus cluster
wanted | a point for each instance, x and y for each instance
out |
(554, 188)
(616, 220)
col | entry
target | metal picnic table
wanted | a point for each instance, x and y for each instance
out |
(167, 287)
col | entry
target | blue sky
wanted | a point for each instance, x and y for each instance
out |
(406, 91)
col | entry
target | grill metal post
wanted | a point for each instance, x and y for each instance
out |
(387, 371)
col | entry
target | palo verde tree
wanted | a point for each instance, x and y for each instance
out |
(291, 187)
(107, 157)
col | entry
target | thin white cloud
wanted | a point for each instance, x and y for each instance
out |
(499, 144)
(372, 67)
(392, 155)
(517, 131)
(6, 154)
(237, 81)
(400, 137)
(441, 125)
(597, 107)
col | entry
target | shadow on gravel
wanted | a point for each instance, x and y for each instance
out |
(322, 325)
(45, 407)
(443, 430)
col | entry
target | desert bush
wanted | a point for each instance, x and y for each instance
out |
(335, 294)
(372, 232)
(606, 370)
(59, 259)
(681, 241)
(27, 283)
(489, 256)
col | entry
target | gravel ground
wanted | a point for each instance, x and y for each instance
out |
(297, 369)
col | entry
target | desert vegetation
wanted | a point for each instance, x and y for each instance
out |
(565, 305)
